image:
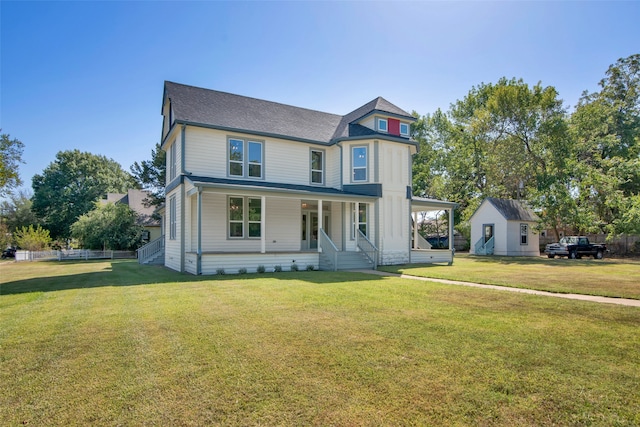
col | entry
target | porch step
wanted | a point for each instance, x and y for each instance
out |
(157, 259)
(347, 261)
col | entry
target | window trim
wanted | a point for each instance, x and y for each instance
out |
(524, 227)
(355, 219)
(386, 125)
(173, 161)
(408, 129)
(245, 221)
(173, 221)
(245, 163)
(323, 166)
(366, 167)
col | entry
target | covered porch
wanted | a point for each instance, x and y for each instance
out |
(421, 250)
(257, 227)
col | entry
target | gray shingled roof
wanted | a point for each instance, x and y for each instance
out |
(228, 111)
(513, 210)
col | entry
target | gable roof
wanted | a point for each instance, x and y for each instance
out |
(222, 110)
(513, 210)
(135, 199)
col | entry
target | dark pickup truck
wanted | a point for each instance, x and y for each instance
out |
(575, 247)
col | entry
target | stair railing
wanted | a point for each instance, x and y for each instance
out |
(328, 248)
(368, 248)
(150, 250)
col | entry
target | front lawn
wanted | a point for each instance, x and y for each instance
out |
(115, 343)
(609, 277)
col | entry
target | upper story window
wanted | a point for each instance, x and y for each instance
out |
(382, 125)
(404, 129)
(173, 162)
(317, 166)
(246, 158)
(359, 163)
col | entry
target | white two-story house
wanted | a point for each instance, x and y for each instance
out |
(255, 183)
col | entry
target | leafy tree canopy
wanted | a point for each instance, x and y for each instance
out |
(10, 158)
(70, 186)
(16, 211)
(151, 175)
(108, 226)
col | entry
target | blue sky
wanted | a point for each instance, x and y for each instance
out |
(89, 75)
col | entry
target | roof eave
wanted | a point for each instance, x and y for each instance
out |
(386, 113)
(376, 136)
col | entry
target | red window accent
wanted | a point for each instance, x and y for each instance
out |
(394, 126)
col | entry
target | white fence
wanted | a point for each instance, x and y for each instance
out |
(74, 254)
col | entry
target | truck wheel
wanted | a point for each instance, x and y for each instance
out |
(551, 256)
(573, 255)
(598, 255)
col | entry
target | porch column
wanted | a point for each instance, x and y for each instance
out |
(263, 220)
(320, 222)
(355, 220)
(415, 230)
(199, 233)
(451, 236)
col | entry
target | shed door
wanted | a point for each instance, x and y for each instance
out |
(487, 232)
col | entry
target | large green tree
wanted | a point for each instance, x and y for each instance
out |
(70, 186)
(10, 159)
(606, 130)
(108, 226)
(16, 211)
(151, 175)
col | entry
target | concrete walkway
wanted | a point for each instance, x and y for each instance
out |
(592, 298)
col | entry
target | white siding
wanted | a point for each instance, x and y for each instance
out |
(172, 258)
(431, 256)
(231, 263)
(487, 214)
(514, 248)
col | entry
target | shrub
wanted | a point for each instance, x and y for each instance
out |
(310, 267)
(260, 269)
(33, 239)
(294, 267)
(220, 271)
(277, 268)
(242, 271)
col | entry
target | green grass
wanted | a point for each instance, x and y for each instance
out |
(610, 277)
(114, 343)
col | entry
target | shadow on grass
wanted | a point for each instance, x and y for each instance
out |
(130, 273)
(559, 262)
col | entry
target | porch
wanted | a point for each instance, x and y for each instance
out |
(422, 251)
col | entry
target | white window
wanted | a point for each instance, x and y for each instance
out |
(173, 223)
(173, 166)
(317, 167)
(382, 125)
(359, 164)
(359, 218)
(245, 158)
(245, 214)
(404, 129)
(524, 234)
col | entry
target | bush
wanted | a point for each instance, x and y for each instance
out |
(294, 267)
(277, 269)
(260, 269)
(33, 239)
(242, 271)
(220, 271)
(310, 267)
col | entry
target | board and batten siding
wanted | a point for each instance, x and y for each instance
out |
(394, 207)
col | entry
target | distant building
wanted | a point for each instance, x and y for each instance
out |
(135, 199)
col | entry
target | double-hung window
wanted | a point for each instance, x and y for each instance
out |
(317, 167)
(245, 217)
(246, 158)
(173, 162)
(359, 218)
(173, 222)
(524, 234)
(359, 164)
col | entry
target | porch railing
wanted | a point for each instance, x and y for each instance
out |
(484, 248)
(329, 249)
(150, 250)
(368, 248)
